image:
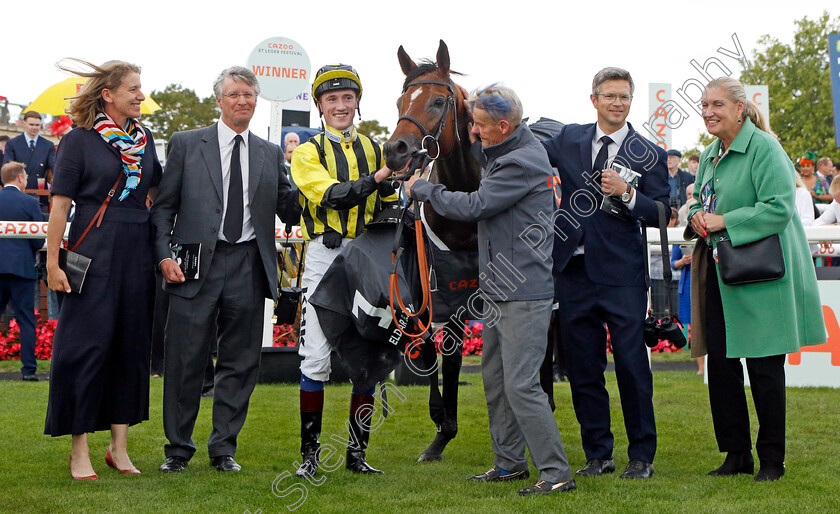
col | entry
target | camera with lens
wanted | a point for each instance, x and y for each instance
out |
(666, 328)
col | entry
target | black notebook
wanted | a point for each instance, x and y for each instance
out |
(188, 257)
(75, 266)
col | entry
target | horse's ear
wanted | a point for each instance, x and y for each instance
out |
(406, 63)
(443, 57)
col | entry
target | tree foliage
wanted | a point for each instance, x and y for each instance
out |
(373, 130)
(704, 139)
(181, 109)
(799, 81)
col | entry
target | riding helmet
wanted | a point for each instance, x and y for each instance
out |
(333, 77)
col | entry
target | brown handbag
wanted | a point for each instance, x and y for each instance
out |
(75, 265)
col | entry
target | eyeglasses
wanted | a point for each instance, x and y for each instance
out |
(235, 96)
(610, 97)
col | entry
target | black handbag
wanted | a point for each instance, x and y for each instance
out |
(288, 301)
(759, 261)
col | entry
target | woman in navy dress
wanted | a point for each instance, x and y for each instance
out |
(99, 379)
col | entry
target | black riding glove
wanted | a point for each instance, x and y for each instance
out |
(331, 239)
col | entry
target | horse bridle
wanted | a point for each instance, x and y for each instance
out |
(419, 159)
(450, 106)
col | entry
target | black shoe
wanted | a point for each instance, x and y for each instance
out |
(357, 464)
(736, 463)
(208, 393)
(29, 378)
(559, 377)
(174, 464)
(770, 472)
(225, 463)
(310, 462)
(494, 475)
(638, 469)
(543, 487)
(596, 467)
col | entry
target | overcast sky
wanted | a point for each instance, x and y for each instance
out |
(547, 51)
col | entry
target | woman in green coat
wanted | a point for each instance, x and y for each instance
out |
(745, 192)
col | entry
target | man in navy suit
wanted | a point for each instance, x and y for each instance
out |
(17, 267)
(35, 152)
(599, 270)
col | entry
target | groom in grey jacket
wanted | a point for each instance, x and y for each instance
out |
(221, 189)
(514, 206)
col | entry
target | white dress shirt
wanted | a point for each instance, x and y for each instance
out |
(226, 138)
(618, 138)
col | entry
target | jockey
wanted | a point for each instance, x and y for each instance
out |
(340, 174)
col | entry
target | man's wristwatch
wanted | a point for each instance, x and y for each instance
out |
(625, 196)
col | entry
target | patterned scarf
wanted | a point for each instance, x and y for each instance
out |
(131, 147)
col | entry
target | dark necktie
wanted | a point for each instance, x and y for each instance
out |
(32, 144)
(598, 165)
(235, 207)
(601, 159)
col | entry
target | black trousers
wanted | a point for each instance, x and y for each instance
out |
(726, 388)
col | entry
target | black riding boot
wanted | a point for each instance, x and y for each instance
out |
(311, 413)
(361, 412)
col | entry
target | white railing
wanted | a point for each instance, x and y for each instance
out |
(38, 229)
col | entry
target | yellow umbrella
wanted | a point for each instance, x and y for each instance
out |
(56, 99)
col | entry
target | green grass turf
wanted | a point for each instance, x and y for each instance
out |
(34, 474)
(13, 366)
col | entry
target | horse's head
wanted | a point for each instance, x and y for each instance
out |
(431, 107)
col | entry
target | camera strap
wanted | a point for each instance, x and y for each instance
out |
(286, 247)
(666, 257)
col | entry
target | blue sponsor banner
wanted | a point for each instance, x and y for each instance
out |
(834, 67)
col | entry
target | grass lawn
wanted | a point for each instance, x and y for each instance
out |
(35, 478)
(13, 366)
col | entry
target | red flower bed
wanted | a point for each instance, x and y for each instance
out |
(472, 343)
(10, 343)
(284, 335)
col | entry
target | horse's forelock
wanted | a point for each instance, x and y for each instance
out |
(423, 67)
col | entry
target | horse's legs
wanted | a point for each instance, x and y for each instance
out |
(443, 408)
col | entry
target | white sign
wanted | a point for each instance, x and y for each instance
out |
(760, 96)
(659, 124)
(301, 102)
(282, 68)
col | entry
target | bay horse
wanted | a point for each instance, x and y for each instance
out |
(434, 117)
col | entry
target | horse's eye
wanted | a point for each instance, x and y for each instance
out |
(439, 102)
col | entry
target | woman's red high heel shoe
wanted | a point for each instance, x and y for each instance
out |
(110, 462)
(89, 477)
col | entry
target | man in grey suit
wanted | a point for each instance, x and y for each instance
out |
(221, 189)
(512, 202)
